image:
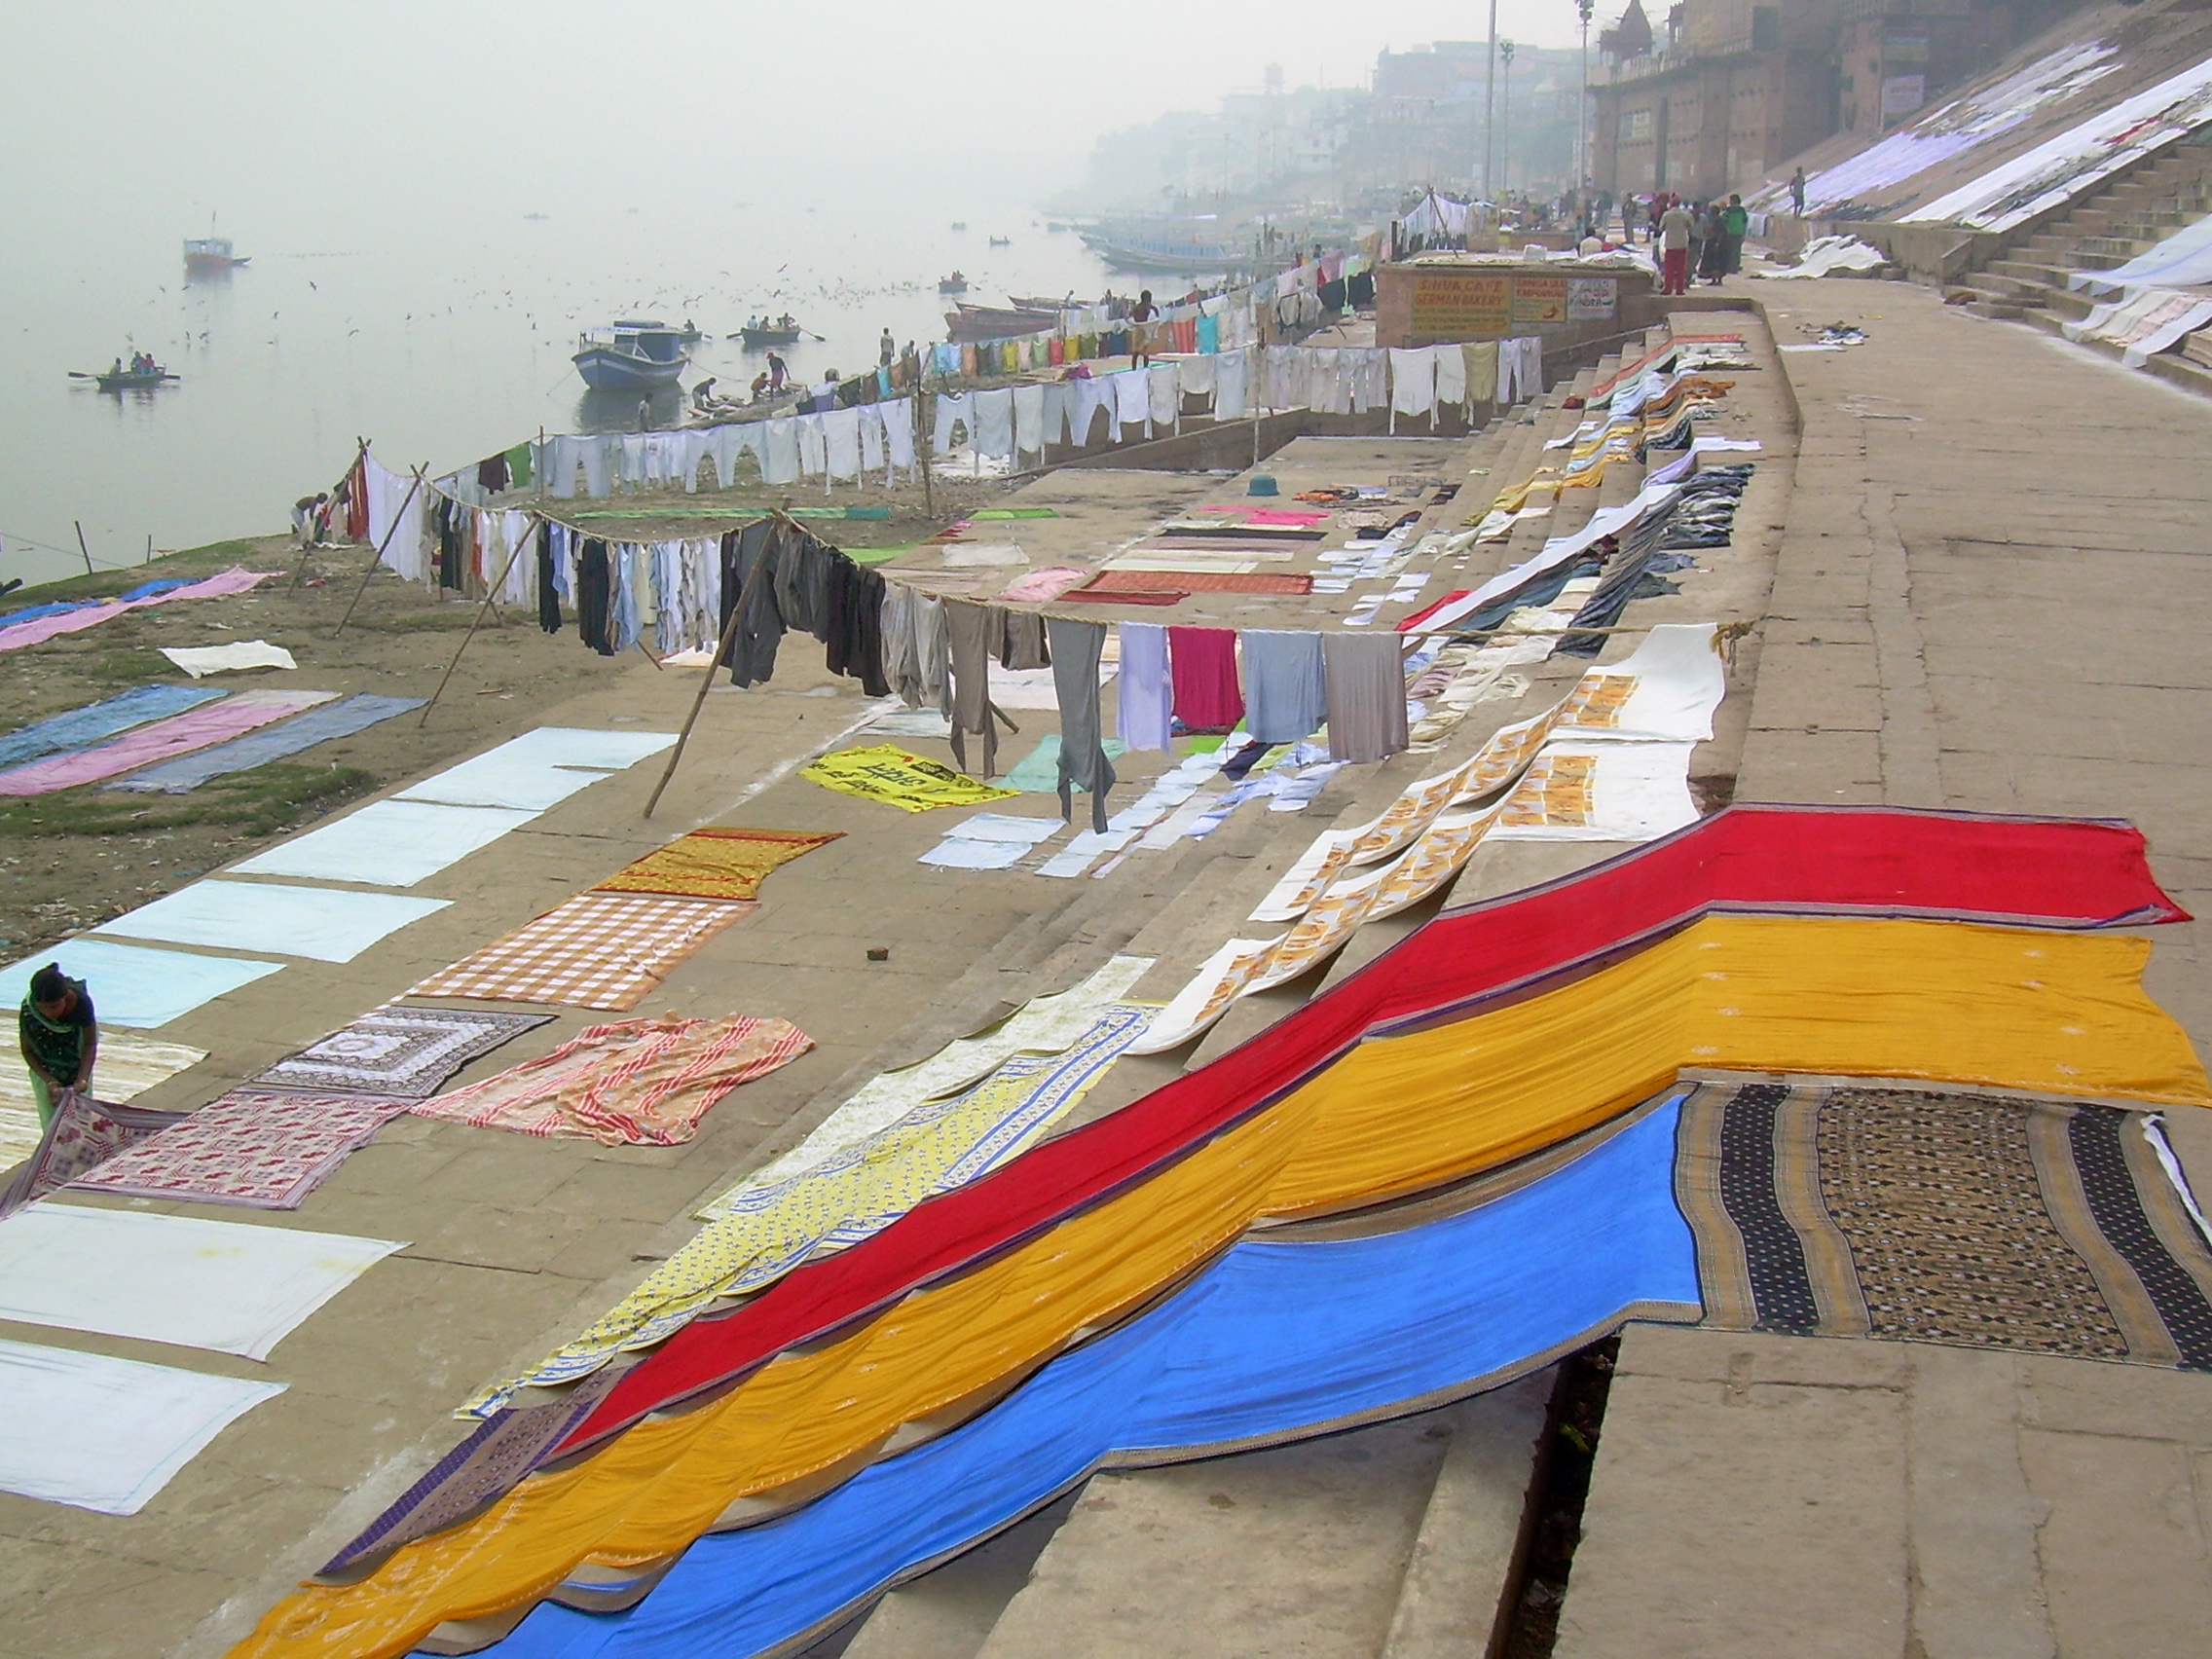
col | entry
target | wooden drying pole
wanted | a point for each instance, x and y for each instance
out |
(360, 453)
(406, 502)
(707, 680)
(537, 527)
(81, 548)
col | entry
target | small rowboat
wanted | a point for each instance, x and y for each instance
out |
(756, 338)
(129, 379)
(952, 284)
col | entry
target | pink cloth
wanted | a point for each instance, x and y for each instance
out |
(1204, 661)
(41, 628)
(1040, 585)
(179, 734)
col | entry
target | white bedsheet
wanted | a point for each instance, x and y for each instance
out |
(107, 1434)
(173, 1278)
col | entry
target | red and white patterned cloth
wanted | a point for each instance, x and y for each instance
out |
(262, 1148)
(598, 951)
(635, 1081)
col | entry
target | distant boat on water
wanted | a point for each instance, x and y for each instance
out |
(960, 224)
(143, 375)
(1002, 241)
(210, 256)
(631, 356)
(952, 284)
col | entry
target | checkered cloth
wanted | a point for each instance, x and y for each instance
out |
(599, 950)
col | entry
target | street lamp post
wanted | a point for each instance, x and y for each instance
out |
(1505, 119)
(1490, 101)
(1584, 8)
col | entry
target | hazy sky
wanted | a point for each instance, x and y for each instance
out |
(273, 111)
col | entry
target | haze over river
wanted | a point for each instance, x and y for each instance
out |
(439, 341)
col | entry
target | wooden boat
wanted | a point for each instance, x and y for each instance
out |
(631, 356)
(127, 380)
(759, 339)
(952, 284)
(971, 323)
(1002, 241)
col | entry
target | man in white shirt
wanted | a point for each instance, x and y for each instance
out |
(1675, 226)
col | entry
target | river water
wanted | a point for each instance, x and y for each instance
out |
(438, 341)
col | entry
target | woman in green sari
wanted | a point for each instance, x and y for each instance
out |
(61, 1038)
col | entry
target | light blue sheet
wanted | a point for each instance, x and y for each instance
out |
(1040, 769)
(388, 843)
(130, 985)
(322, 922)
(95, 723)
(538, 769)
(303, 730)
(1274, 1339)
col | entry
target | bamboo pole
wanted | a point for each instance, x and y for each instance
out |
(81, 548)
(405, 502)
(537, 526)
(707, 680)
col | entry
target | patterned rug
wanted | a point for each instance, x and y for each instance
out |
(84, 1134)
(488, 1464)
(2042, 1225)
(632, 1082)
(603, 950)
(714, 862)
(398, 1053)
(261, 1148)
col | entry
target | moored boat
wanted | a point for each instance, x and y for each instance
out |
(997, 322)
(631, 356)
(208, 256)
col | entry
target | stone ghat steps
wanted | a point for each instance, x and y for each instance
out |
(2032, 283)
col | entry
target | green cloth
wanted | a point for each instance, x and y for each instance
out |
(1040, 769)
(1735, 221)
(518, 467)
(877, 555)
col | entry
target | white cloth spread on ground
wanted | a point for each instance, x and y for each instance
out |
(328, 924)
(107, 1435)
(199, 660)
(171, 1278)
(388, 843)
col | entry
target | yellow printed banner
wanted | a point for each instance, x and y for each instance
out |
(908, 782)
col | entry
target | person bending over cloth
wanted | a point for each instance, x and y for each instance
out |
(61, 1038)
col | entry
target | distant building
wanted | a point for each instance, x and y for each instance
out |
(1727, 90)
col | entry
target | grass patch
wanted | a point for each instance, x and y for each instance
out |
(260, 802)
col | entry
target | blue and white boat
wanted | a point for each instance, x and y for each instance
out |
(631, 356)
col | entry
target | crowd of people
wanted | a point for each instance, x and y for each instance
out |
(1697, 242)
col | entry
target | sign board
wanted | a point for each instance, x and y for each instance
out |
(1593, 299)
(1901, 95)
(1539, 301)
(1463, 304)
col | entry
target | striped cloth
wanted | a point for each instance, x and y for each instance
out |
(630, 1083)
(598, 951)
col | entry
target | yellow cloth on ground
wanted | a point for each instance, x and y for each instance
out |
(1946, 1002)
(714, 862)
(127, 1066)
(908, 782)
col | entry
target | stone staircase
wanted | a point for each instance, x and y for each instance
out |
(1406, 1539)
(2129, 216)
